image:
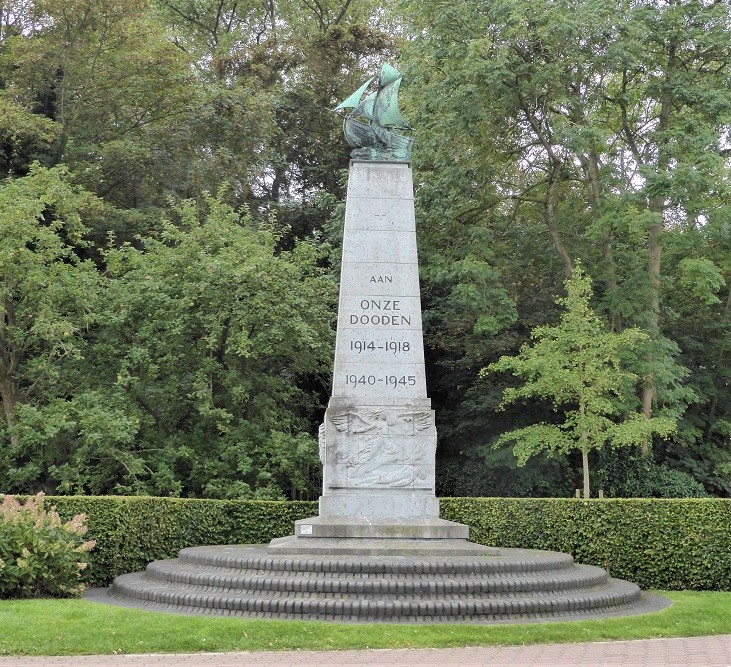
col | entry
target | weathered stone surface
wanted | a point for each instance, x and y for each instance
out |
(511, 585)
(377, 546)
(379, 438)
(357, 527)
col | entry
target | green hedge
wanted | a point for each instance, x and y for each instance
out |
(132, 531)
(657, 543)
(670, 544)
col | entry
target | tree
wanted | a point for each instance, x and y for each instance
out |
(104, 72)
(270, 75)
(48, 296)
(700, 305)
(578, 365)
(204, 366)
(213, 340)
(588, 131)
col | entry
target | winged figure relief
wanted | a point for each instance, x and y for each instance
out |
(420, 452)
(398, 477)
(419, 420)
(354, 454)
(383, 421)
(352, 423)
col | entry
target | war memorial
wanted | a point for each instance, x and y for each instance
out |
(378, 551)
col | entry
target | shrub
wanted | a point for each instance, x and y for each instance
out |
(131, 531)
(39, 554)
(672, 544)
(657, 543)
(624, 475)
(496, 475)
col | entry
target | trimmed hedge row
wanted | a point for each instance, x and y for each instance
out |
(668, 544)
(131, 531)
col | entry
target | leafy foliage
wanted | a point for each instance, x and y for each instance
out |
(623, 474)
(667, 544)
(496, 474)
(585, 131)
(48, 295)
(201, 355)
(578, 365)
(592, 132)
(40, 555)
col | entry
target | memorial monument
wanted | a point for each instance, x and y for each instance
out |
(378, 549)
(378, 440)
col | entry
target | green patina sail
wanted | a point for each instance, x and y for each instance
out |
(372, 125)
(354, 100)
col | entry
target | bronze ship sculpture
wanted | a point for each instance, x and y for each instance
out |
(374, 125)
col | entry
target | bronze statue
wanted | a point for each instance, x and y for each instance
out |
(372, 126)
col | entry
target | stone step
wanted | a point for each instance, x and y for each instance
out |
(138, 587)
(256, 557)
(379, 546)
(384, 585)
(246, 580)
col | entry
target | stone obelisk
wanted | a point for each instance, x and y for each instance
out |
(379, 435)
(378, 440)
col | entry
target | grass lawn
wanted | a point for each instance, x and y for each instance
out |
(79, 627)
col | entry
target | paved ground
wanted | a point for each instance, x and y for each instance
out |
(695, 652)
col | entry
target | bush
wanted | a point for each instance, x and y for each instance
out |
(39, 554)
(657, 543)
(131, 531)
(496, 474)
(672, 544)
(624, 475)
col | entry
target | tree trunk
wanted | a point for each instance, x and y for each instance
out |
(590, 167)
(10, 359)
(10, 399)
(550, 218)
(656, 205)
(611, 280)
(649, 389)
(585, 466)
(555, 164)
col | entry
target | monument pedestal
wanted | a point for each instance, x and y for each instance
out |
(379, 536)
(377, 527)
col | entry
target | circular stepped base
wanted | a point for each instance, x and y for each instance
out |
(498, 585)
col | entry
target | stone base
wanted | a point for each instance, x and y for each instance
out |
(515, 585)
(358, 503)
(380, 528)
(428, 548)
(379, 536)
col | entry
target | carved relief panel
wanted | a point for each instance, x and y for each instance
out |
(381, 448)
